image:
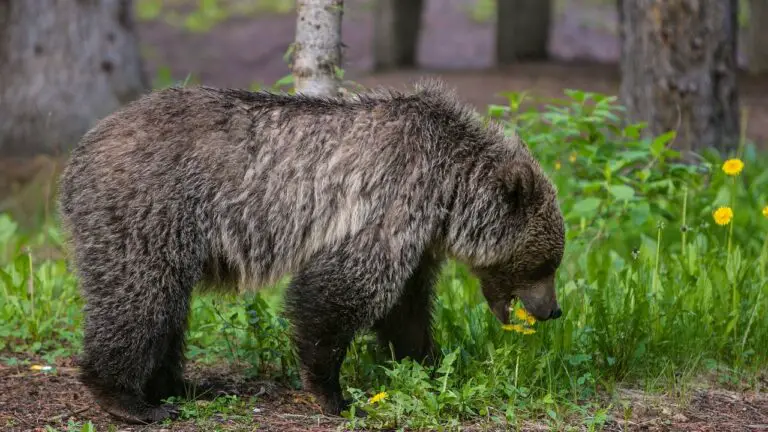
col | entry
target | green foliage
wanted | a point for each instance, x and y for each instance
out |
(231, 407)
(164, 78)
(649, 284)
(73, 426)
(482, 11)
(36, 298)
(203, 15)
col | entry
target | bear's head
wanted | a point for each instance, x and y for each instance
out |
(511, 233)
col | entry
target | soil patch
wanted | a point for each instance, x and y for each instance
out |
(30, 400)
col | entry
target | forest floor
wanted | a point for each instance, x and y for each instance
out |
(242, 51)
(30, 400)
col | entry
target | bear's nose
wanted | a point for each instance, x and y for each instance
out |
(557, 313)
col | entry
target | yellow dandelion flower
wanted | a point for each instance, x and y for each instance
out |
(765, 211)
(723, 215)
(523, 315)
(378, 397)
(518, 328)
(558, 165)
(733, 167)
(572, 157)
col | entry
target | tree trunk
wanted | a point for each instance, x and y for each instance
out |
(396, 33)
(522, 30)
(678, 66)
(63, 65)
(758, 37)
(620, 19)
(317, 50)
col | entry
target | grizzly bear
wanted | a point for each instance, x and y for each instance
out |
(359, 199)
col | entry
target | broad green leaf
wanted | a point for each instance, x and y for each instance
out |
(660, 141)
(585, 207)
(621, 192)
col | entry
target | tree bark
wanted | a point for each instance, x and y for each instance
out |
(522, 30)
(397, 24)
(317, 50)
(63, 66)
(678, 66)
(758, 37)
(620, 19)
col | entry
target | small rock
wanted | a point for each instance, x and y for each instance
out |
(680, 418)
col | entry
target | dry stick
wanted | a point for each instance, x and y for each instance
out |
(685, 208)
(70, 413)
(751, 319)
(31, 285)
(22, 420)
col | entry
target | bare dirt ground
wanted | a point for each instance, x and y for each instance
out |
(30, 400)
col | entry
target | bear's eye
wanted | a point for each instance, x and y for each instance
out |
(544, 269)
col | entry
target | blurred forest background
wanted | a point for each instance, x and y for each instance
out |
(53, 87)
(568, 44)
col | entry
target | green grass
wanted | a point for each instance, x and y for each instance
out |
(655, 294)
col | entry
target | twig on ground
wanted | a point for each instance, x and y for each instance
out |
(70, 413)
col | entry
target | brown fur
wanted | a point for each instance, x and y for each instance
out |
(358, 199)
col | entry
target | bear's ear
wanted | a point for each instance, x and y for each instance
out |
(518, 180)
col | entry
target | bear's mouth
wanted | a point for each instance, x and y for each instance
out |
(502, 309)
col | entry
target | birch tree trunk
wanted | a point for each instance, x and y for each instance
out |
(63, 65)
(396, 33)
(317, 49)
(678, 67)
(522, 30)
(758, 37)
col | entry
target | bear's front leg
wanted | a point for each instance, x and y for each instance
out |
(408, 324)
(339, 293)
(321, 354)
(321, 308)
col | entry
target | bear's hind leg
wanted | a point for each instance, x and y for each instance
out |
(133, 341)
(122, 380)
(168, 379)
